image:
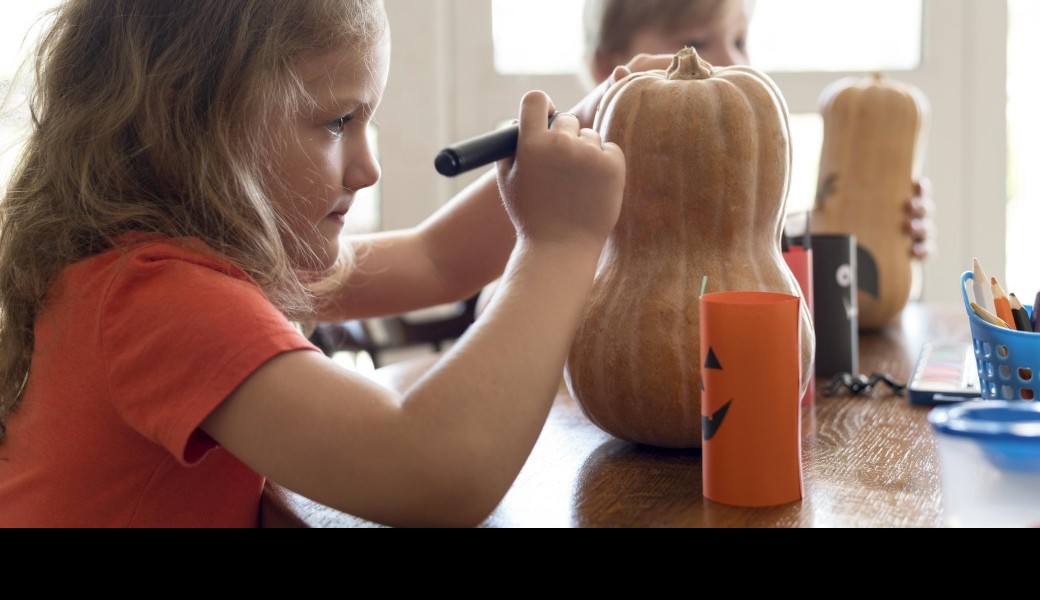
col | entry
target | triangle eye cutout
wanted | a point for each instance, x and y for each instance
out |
(712, 362)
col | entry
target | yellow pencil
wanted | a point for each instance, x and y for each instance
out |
(1000, 301)
(989, 317)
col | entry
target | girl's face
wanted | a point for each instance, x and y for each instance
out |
(328, 156)
(721, 43)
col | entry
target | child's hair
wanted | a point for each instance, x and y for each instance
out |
(611, 24)
(155, 116)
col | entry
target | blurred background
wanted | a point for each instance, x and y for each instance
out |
(460, 67)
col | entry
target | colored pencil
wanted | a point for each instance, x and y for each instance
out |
(989, 317)
(1018, 310)
(980, 282)
(1036, 313)
(1002, 304)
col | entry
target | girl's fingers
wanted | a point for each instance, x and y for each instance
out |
(619, 74)
(567, 123)
(591, 136)
(918, 208)
(535, 109)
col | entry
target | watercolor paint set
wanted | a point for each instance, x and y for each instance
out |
(945, 373)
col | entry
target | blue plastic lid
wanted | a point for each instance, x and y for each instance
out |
(1008, 432)
(989, 420)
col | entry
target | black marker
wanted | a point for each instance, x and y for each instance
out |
(479, 151)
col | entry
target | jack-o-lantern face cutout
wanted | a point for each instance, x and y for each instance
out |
(710, 425)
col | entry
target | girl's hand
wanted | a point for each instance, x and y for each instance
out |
(586, 109)
(564, 184)
(920, 225)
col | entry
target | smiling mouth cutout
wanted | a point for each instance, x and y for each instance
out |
(710, 425)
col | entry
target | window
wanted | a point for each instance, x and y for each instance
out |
(954, 51)
(1023, 214)
(858, 36)
(842, 36)
(849, 35)
(557, 20)
(18, 29)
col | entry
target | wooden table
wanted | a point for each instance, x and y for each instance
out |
(868, 462)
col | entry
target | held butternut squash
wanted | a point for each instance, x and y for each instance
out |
(708, 157)
(873, 150)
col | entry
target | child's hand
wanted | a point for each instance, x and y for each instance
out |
(564, 184)
(586, 109)
(920, 224)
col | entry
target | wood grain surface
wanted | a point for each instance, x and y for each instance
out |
(867, 461)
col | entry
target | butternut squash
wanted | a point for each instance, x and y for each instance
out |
(873, 150)
(708, 156)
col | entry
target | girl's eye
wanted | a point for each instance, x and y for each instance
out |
(336, 126)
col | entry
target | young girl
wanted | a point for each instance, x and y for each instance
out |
(184, 186)
(616, 30)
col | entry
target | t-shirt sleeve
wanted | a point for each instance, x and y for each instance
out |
(181, 332)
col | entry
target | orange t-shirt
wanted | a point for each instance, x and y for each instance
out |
(135, 348)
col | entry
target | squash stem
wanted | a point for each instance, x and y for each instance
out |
(687, 64)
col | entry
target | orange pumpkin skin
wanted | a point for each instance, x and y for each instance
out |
(708, 160)
(873, 149)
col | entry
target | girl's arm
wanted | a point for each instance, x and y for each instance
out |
(447, 450)
(433, 264)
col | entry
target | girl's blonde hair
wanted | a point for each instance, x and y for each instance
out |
(611, 24)
(154, 116)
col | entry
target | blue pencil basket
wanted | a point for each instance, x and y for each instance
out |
(1008, 361)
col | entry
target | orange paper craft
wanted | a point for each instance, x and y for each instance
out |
(750, 403)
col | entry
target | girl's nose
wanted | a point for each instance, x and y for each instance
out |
(363, 171)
